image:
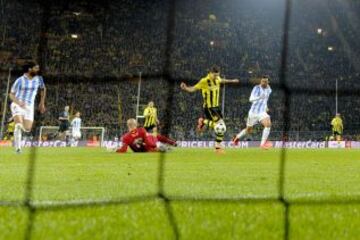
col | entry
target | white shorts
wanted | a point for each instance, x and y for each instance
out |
(254, 119)
(27, 112)
(76, 134)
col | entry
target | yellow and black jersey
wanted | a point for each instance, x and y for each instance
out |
(337, 125)
(150, 114)
(11, 127)
(210, 90)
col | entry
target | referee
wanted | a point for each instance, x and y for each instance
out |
(64, 124)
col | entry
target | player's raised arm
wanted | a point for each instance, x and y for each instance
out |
(42, 87)
(224, 80)
(187, 88)
(200, 85)
(42, 108)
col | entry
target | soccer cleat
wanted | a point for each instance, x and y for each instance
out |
(219, 150)
(201, 125)
(18, 150)
(267, 145)
(235, 141)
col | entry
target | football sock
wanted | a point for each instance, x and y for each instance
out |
(241, 134)
(219, 138)
(18, 135)
(265, 135)
(209, 123)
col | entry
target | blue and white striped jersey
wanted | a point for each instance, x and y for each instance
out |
(76, 124)
(259, 98)
(25, 89)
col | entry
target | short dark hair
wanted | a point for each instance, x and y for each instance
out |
(215, 69)
(27, 66)
(265, 76)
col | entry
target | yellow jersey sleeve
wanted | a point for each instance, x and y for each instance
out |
(146, 111)
(218, 80)
(201, 84)
(333, 121)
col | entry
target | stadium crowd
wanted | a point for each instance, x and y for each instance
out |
(91, 57)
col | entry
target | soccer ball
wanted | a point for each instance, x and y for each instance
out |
(220, 127)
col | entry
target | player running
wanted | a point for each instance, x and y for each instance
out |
(141, 141)
(75, 128)
(22, 95)
(258, 113)
(210, 89)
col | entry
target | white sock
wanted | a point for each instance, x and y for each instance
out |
(72, 142)
(241, 134)
(265, 135)
(18, 135)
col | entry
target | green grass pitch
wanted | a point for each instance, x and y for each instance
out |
(80, 175)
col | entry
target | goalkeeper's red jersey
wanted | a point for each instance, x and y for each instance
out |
(138, 140)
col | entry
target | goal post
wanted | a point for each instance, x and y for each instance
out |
(138, 111)
(6, 94)
(86, 132)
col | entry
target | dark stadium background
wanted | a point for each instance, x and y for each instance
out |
(97, 72)
(92, 53)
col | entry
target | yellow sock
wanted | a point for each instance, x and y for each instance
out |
(209, 123)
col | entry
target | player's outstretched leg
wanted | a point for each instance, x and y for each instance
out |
(200, 124)
(209, 123)
(166, 140)
(246, 131)
(218, 148)
(265, 144)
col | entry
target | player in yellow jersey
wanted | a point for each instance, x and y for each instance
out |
(210, 90)
(337, 127)
(151, 119)
(9, 135)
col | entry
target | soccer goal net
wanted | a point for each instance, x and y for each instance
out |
(93, 136)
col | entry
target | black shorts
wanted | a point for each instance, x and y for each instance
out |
(150, 128)
(214, 114)
(64, 126)
(336, 133)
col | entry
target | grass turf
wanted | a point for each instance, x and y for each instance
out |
(77, 175)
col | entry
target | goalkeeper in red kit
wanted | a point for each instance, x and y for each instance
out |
(139, 140)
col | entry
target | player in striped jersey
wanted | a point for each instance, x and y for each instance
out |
(151, 119)
(22, 95)
(258, 113)
(210, 89)
(76, 127)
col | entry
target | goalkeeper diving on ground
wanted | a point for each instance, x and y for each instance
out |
(139, 140)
